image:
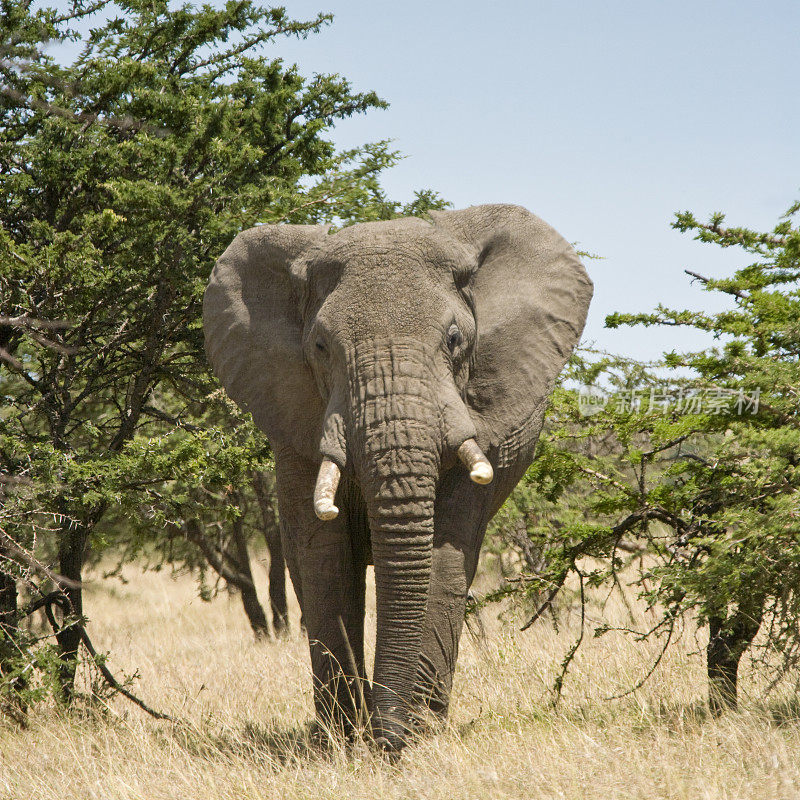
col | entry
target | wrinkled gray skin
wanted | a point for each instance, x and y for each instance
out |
(383, 347)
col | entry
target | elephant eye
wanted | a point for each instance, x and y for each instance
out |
(453, 337)
(320, 345)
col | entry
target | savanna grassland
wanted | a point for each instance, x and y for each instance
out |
(245, 710)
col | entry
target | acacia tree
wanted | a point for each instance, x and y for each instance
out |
(740, 541)
(206, 499)
(703, 470)
(122, 177)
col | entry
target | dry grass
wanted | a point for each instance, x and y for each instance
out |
(247, 709)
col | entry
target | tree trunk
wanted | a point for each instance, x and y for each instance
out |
(246, 585)
(277, 566)
(72, 552)
(728, 641)
(8, 597)
(9, 630)
(277, 583)
(234, 569)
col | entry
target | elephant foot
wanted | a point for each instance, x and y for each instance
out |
(390, 732)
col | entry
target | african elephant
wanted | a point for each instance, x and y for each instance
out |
(400, 370)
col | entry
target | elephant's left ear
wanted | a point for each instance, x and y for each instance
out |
(254, 332)
(531, 297)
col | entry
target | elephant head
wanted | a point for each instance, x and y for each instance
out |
(395, 353)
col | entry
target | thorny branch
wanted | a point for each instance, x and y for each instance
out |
(59, 599)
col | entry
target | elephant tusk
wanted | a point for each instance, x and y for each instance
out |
(480, 470)
(325, 490)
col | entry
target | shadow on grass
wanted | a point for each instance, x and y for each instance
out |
(670, 716)
(783, 712)
(268, 745)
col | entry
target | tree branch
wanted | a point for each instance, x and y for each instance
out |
(736, 292)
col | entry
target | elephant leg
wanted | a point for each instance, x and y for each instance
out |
(443, 624)
(329, 579)
(460, 524)
(463, 511)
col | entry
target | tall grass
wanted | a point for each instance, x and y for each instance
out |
(246, 708)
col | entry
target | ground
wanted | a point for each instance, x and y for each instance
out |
(245, 710)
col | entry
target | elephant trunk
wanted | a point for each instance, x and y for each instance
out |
(395, 438)
(401, 522)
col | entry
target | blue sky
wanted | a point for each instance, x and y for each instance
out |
(602, 118)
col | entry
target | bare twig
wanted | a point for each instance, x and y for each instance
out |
(666, 445)
(28, 558)
(24, 321)
(638, 685)
(559, 681)
(58, 598)
(547, 603)
(736, 292)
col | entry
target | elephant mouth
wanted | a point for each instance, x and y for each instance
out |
(469, 453)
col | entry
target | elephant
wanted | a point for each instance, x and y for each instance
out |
(400, 370)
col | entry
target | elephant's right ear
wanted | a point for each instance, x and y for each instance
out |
(253, 331)
(531, 294)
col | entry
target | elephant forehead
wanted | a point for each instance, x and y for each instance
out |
(380, 278)
(392, 248)
(375, 302)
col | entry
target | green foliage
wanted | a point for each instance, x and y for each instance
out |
(700, 479)
(123, 176)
